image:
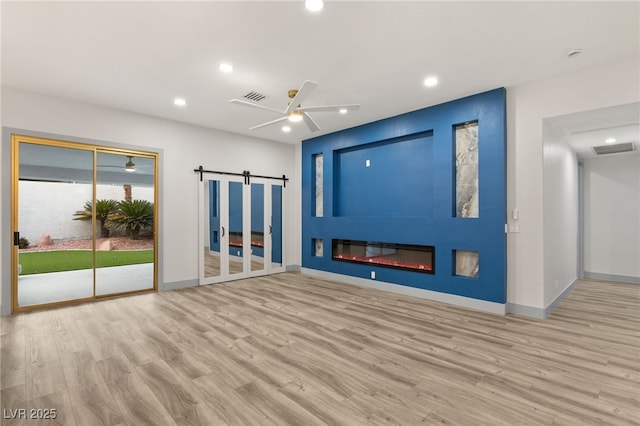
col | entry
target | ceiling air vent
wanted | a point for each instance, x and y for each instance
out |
(254, 96)
(613, 149)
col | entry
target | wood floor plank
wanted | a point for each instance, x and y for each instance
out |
(174, 394)
(132, 395)
(275, 405)
(288, 349)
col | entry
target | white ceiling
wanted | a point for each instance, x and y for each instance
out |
(588, 129)
(138, 56)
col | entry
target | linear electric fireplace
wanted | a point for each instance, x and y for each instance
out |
(389, 255)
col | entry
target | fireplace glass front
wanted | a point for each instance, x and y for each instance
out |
(409, 257)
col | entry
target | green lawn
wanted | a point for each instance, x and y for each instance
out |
(70, 260)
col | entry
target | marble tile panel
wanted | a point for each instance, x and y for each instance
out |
(467, 170)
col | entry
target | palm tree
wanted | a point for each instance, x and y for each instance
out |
(103, 209)
(132, 217)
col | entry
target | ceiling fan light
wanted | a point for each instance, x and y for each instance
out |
(343, 110)
(286, 129)
(130, 166)
(295, 116)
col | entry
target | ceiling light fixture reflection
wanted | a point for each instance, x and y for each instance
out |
(431, 81)
(225, 67)
(295, 116)
(314, 5)
(343, 110)
(610, 140)
(179, 102)
(130, 166)
(286, 129)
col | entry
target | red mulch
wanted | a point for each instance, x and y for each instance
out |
(117, 243)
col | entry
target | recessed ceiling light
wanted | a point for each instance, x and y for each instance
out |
(431, 81)
(286, 129)
(179, 102)
(343, 110)
(610, 140)
(225, 67)
(314, 5)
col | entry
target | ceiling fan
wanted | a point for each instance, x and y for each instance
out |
(294, 111)
(129, 166)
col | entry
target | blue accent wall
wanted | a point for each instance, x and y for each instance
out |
(407, 194)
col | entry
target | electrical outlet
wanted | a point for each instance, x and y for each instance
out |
(373, 275)
(367, 163)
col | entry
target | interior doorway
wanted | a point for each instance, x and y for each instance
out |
(592, 197)
(83, 221)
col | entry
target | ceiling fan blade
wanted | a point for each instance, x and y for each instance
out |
(305, 90)
(251, 104)
(351, 107)
(311, 124)
(268, 123)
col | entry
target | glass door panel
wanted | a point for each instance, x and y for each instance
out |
(212, 230)
(276, 229)
(55, 254)
(257, 227)
(125, 197)
(235, 232)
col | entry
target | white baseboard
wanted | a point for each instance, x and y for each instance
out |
(452, 299)
(612, 277)
(540, 313)
(178, 284)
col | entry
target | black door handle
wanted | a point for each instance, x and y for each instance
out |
(16, 238)
(222, 231)
(270, 229)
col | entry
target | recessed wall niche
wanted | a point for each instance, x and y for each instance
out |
(389, 178)
(466, 149)
(318, 247)
(318, 189)
(467, 263)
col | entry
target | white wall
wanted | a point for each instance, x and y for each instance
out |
(527, 105)
(184, 147)
(560, 210)
(612, 215)
(48, 207)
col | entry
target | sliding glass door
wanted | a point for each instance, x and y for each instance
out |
(125, 199)
(240, 234)
(55, 256)
(83, 218)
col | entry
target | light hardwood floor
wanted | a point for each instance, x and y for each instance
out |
(293, 350)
